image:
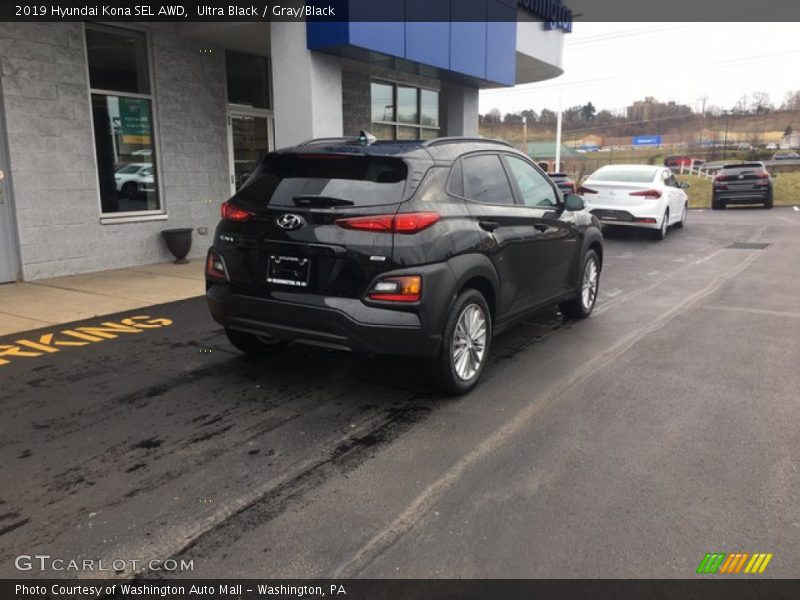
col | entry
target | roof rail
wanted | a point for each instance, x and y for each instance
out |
(329, 140)
(456, 139)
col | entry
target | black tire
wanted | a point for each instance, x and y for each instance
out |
(717, 204)
(768, 203)
(661, 232)
(445, 370)
(576, 308)
(253, 345)
(680, 224)
(130, 190)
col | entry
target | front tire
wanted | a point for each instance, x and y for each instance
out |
(253, 345)
(661, 232)
(130, 190)
(582, 305)
(466, 342)
(682, 222)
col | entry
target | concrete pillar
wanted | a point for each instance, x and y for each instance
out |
(306, 88)
(460, 107)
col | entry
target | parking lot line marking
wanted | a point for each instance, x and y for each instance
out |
(420, 506)
(755, 311)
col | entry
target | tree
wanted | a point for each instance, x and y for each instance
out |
(742, 105)
(512, 118)
(529, 114)
(761, 102)
(788, 130)
(588, 112)
(547, 116)
(792, 101)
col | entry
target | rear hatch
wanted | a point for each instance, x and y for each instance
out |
(615, 189)
(742, 178)
(291, 242)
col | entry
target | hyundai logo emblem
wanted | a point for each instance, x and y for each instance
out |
(290, 221)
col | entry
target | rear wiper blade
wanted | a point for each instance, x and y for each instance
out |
(321, 201)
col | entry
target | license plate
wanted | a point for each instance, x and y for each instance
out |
(288, 270)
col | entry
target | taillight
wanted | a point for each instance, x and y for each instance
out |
(234, 213)
(584, 190)
(404, 288)
(215, 268)
(399, 223)
(762, 175)
(653, 194)
(644, 220)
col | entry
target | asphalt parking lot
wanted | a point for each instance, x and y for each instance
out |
(627, 445)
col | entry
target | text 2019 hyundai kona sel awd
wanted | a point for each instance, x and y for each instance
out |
(415, 248)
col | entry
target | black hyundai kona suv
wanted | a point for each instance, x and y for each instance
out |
(415, 248)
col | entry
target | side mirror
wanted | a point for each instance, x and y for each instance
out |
(683, 184)
(572, 202)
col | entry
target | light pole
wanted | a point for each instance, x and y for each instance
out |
(725, 141)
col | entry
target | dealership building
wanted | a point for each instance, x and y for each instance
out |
(111, 133)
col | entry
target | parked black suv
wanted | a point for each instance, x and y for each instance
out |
(742, 183)
(410, 248)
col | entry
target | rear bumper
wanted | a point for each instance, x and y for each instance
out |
(341, 323)
(609, 216)
(743, 197)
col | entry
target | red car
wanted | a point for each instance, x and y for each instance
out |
(563, 182)
(675, 161)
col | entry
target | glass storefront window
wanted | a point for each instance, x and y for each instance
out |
(123, 137)
(117, 60)
(383, 132)
(122, 116)
(403, 112)
(250, 138)
(429, 108)
(407, 105)
(248, 79)
(382, 102)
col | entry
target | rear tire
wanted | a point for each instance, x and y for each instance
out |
(661, 232)
(582, 305)
(717, 204)
(253, 345)
(768, 203)
(466, 343)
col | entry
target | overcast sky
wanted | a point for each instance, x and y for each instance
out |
(613, 64)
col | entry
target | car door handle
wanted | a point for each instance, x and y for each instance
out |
(541, 227)
(489, 225)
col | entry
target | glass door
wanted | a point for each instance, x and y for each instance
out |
(250, 137)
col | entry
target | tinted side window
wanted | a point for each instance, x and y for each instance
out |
(455, 184)
(485, 180)
(533, 186)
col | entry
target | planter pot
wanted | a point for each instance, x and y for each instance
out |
(179, 242)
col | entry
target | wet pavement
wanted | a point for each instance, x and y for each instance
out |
(627, 445)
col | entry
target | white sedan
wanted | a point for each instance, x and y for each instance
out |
(637, 196)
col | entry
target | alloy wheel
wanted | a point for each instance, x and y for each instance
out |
(469, 342)
(589, 285)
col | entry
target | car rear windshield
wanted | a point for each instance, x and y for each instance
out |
(643, 175)
(281, 179)
(743, 166)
